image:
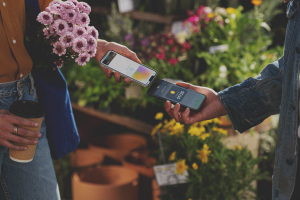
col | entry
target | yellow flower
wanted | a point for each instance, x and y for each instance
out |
(218, 121)
(159, 116)
(156, 128)
(195, 166)
(170, 123)
(220, 130)
(203, 123)
(203, 136)
(177, 129)
(256, 2)
(194, 130)
(165, 121)
(211, 15)
(204, 153)
(230, 10)
(172, 156)
(181, 167)
(237, 147)
(189, 199)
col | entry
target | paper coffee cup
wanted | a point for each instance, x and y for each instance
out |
(30, 110)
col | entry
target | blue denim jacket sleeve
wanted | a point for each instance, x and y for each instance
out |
(250, 102)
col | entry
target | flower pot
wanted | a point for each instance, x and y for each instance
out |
(105, 183)
(82, 158)
(138, 161)
(117, 146)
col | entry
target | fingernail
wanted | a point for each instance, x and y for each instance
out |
(36, 124)
(35, 142)
(186, 110)
(40, 135)
(25, 148)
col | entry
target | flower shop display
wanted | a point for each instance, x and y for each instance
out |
(65, 33)
(220, 47)
(213, 170)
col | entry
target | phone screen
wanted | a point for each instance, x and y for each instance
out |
(129, 68)
(176, 94)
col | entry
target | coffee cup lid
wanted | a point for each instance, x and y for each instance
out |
(27, 109)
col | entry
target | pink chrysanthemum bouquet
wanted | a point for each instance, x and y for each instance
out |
(66, 29)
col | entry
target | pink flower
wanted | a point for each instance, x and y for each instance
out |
(83, 19)
(161, 56)
(68, 5)
(67, 39)
(71, 27)
(59, 63)
(93, 32)
(54, 7)
(83, 59)
(173, 61)
(92, 53)
(79, 44)
(70, 16)
(60, 26)
(187, 45)
(59, 48)
(200, 10)
(79, 31)
(91, 43)
(45, 18)
(84, 7)
(75, 2)
(173, 49)
(48, 32)
(193, 19)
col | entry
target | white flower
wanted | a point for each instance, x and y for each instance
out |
(223, 71)
(181, 37)
(220, 11)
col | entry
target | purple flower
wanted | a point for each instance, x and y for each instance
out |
(91, 30)
(70, 16)
(83, 59)
(145, 41)
(75, 2)
(59, 48)
(84, 7)
(59, 63)
(71, 27)
(79, 44)
(83, 19)
(79, 31)
(45, 18)
(130, 38)
(67, 39)
(55, 7)
(60, 26)
(92, 53)
(68, 5)
(48, 32)
(91, 43)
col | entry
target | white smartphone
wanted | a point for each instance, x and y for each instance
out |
(137, 72)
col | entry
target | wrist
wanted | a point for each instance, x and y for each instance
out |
(222, 109)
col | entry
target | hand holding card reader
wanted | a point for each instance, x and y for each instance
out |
(137, 72)
(175, 94)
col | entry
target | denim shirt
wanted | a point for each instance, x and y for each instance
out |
(273, 91)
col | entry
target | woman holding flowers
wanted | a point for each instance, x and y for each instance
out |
(36, 180)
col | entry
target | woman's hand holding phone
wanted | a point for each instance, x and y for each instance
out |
(103, 46)
(211, 108)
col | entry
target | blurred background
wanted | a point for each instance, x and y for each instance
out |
(212, 43)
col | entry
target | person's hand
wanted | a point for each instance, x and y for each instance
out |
(103, 46)
(211, 108)
(7, 131)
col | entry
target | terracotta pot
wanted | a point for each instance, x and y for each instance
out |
(105, 183)
(82, 158)
(118, 146)
(138, 161)
(155, 190)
